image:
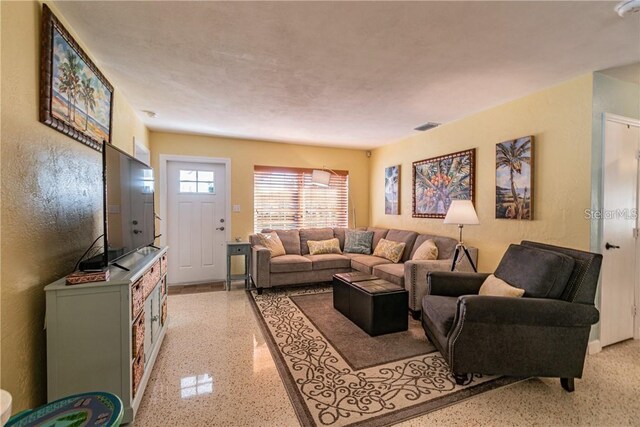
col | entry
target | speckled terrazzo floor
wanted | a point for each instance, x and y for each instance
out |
(214, 368)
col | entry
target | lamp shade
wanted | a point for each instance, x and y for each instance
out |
(320, 177)
(461, 212)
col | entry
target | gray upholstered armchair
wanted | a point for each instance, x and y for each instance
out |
(545, 333)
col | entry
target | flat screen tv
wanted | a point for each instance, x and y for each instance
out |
(129, 219)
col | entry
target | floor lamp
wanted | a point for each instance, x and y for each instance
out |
(461, 212)
(321, 178)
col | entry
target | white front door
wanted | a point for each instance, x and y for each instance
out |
(619, 263)
(196, 222)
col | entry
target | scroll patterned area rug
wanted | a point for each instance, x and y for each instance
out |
(336, 375)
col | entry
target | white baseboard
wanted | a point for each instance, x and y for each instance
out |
(594, 347)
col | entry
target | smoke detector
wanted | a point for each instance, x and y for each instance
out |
(627, 6)
(427, 126)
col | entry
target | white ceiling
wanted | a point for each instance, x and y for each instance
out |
(356, 74)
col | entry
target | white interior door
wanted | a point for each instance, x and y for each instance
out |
(619, 264)
(196, 222)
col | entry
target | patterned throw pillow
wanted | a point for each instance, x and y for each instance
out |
(426, 252)
(358, 242)
(319, 247)
(496, 287)
(272, 242)
(390, 250)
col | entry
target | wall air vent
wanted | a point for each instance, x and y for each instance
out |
(427, 126)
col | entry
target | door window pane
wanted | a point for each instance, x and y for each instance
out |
(205, 176)
(187, 187)
(206, 187)
(186, 175)
(194, 181)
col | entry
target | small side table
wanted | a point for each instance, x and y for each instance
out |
(239, 248)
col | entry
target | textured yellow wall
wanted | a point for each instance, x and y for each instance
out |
(559, 118)
(244, 154)
(51, 201)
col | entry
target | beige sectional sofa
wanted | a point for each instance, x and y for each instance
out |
(299, 267)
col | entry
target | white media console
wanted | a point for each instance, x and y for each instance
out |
(105, 336)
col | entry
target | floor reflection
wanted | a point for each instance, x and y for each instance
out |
(261, 356)
(196, 385)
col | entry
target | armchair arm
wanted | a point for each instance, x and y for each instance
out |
(453, 284)
(520, 336)
(415, 279)
(261, 260)
(526, 311)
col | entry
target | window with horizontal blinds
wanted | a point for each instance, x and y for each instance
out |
(285, 198)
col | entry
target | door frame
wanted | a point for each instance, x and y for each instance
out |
(608, 117)
(163, 199)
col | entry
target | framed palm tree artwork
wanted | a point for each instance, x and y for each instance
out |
(514, 179)
(439, 180)
(75, 98)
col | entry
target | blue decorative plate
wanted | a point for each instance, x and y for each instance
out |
(80, 410)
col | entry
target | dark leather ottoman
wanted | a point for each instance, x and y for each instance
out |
(377, 306)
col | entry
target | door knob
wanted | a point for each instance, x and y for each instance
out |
(220, 228)
(610, 246)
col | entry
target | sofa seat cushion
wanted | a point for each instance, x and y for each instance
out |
(541, 273)
(441, 311)
(350, 255)
(365, 263)
(328, 261)
(393, 273)
(290, 263)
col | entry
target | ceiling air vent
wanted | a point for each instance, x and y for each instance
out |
(427, 126)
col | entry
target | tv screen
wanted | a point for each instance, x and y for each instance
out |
(129, 215)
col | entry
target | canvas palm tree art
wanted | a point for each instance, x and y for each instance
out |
(87, 94)
(513, 179)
